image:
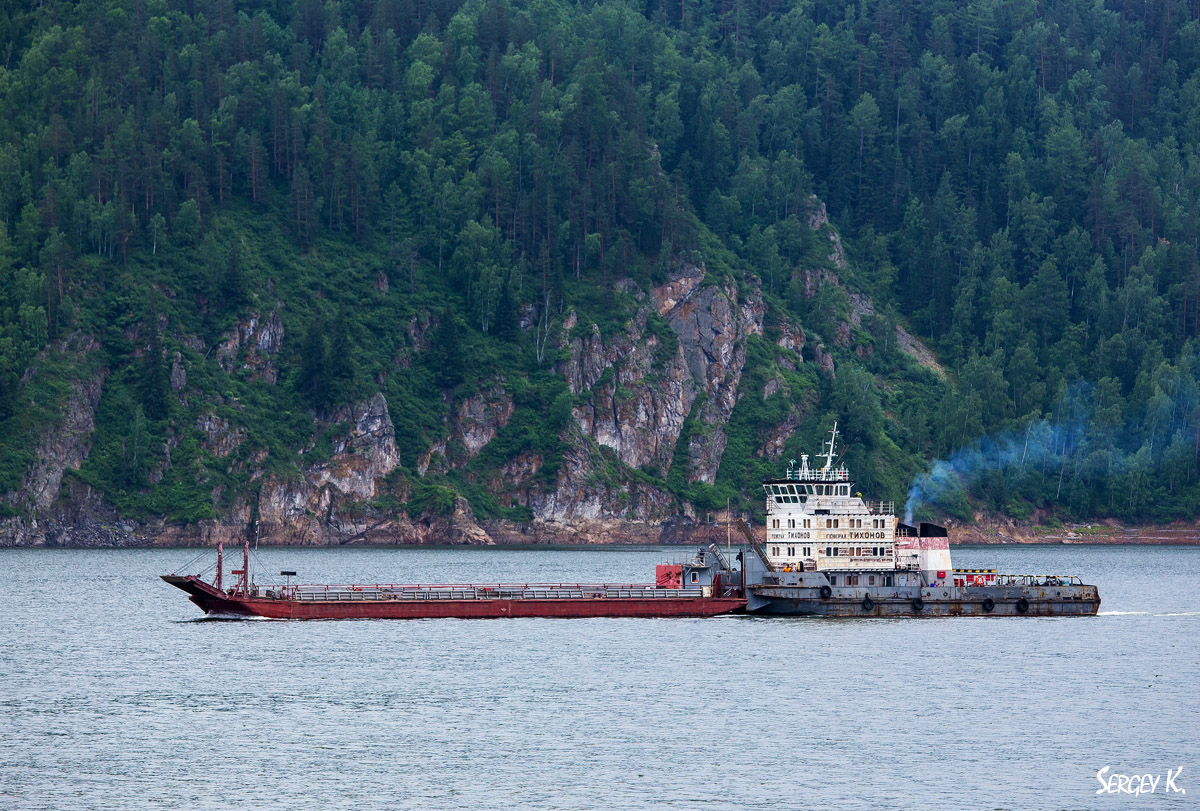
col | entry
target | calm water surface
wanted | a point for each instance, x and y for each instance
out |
(114, 694)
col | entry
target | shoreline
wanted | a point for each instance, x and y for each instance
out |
(88, 532)
(959, 536)
(1003, 533)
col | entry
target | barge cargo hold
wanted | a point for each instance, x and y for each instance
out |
(700, 588)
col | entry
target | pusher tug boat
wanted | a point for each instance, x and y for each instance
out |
(702, 587)
(829, 553)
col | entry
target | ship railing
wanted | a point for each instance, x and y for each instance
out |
(499, 591)
(1036, 580)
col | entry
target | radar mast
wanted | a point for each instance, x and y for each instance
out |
(830, 454)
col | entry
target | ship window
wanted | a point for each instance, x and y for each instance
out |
(774, 551)
(835, 551)
(871, 580)
(833, 579)
(791, 551)
(888, 580)
(835, 523)
(829, 551)
(695, 577)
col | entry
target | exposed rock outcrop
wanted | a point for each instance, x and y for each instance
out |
(63, 447)
(67, 442)
(221, 437)
(480, 417)
(367, 453)
(638, 393)
(713, 329)
(253, 345)
(309, 509)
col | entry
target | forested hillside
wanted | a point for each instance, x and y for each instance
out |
(354, 267)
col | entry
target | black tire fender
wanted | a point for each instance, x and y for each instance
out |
(988, 604)
(1022, 605)
(868, 604)
(826, 592)
(918, 604)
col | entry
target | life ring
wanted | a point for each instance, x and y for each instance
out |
(1022, 605)
(988, 604)
(918, 604)
(826, 592)
(868, 604)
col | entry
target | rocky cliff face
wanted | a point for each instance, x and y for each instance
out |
(64, 447)
(635, 392)
(713, 326)
(680, 363)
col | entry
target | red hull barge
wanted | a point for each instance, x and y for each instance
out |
(668, 598)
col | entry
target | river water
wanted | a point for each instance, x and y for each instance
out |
(115, 694)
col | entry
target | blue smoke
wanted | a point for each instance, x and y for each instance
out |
(1040, 444)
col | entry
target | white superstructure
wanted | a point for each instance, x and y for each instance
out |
(816, 522)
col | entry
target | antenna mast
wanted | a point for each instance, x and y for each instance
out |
(832, 440)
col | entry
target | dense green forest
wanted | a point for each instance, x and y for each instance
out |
(1016, 182)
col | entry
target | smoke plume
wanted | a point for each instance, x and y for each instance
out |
(1042, 444)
